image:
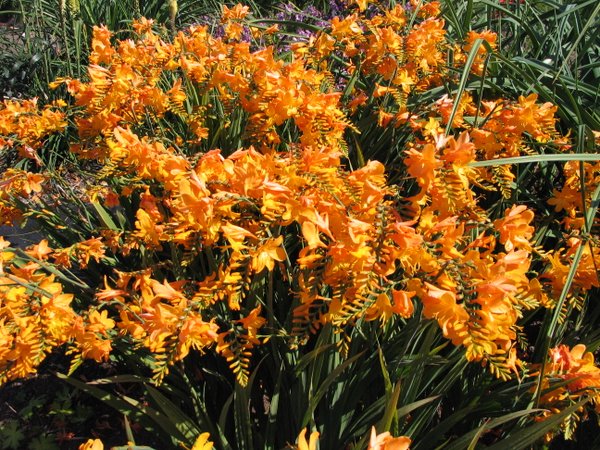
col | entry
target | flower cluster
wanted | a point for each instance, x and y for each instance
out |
(37, 316)
(24, 125)
(193, 229)
(578, 377)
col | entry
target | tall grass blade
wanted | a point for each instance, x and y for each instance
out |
(537, 158)
(464, 78)
(590, 21)
(534, 433)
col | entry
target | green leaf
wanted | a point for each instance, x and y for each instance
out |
(127, 405)
(225, 412)
(537, 158)
(272, 427)
(316, 398)
(434, 435)
(42, 442)
(119, 379)
(390, 410)
(105, 217)
(406, 409)
(400, 412)
(311, 357)
(590, 21)
(11, 435)
(470, 439)
(464, 77)
(177, 417)
(535, 432)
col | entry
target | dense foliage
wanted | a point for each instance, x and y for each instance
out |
(258, 226)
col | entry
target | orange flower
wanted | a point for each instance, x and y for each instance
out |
(441, 305)
(93, 340)
(195, 333)
(312, 444)
(92, 444)
(577, 365)
(253, 322)
(384, 309)
(236, 236)
(362, 4)
(422, 166)
(267, 254)
(233, 30)
(238, 12)
(385, 441)
(203, 443)
(514, 228)
(147, 229)
(346, 27)
(567, 199)
(39, 251)
(142, 25)
(102, 50)
(5, 256)
(90, 248)
(488, 36)
(99, 322)
(459, 151)
(403, 306)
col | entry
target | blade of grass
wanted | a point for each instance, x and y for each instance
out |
(469, 440)
(127, 405)
(537, 158)
(588, 24)
(322, 390)
(180, 420)
(532, 434)
(464, 78)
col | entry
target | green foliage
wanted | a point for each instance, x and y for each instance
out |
(34, 417)
(11, 434)
(406, 387)
(48, 39)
